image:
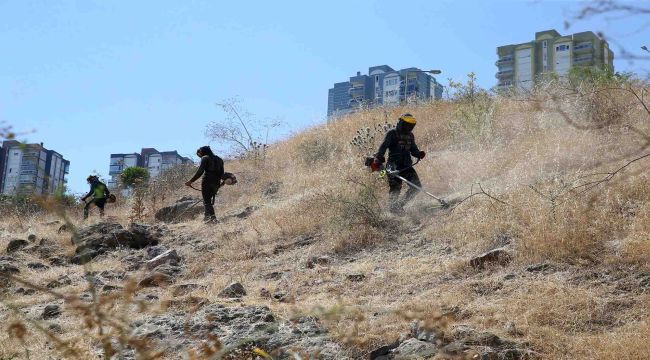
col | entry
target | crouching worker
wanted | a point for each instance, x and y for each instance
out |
(99, 192)
(211, 168)
(400, 143)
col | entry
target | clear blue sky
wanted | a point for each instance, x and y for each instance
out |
(100, 77)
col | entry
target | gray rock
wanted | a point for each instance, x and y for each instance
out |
(16, 244)
(57, 261)
(233, 290)
(55, 328)
(414, 349)
(7, 268)
(355, 277)
(154, 251)
(25, 292)
(109, 288)
(31, 238)
(51, 311)
(423, 333)
(383, 352)
(168, 257)
(84, 256)
(99, 238)
(37, 266)
(182, 210)
(498, 256)
(234, 325)
(63, 280)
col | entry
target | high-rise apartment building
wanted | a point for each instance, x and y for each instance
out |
(520, 65)
(31, 169)
(382, 86)
(153, 160)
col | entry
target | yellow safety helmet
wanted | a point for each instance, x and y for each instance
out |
(408, 118)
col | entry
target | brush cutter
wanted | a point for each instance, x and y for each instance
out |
(391, 172)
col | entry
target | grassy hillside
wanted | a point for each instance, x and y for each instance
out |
(557, 178)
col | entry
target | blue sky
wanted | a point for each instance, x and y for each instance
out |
(99, 77)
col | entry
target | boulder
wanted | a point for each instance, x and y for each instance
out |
(498, 256)
(97, 239)
(184, 209)
(415, 349)
(16, 244)
(168, 257)
(233, 290)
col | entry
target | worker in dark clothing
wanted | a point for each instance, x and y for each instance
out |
(211, 168)
(99, 192)
(400, 143)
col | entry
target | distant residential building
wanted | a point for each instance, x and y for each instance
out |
(153, 160)
(382, 86)
(31, 169)
(519, 65)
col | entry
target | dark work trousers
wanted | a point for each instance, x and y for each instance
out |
(99, 203)
(395, 185)
(209, 191)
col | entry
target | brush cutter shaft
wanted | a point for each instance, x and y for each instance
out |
(418, 187)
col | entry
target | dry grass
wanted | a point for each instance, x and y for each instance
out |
(534, 160)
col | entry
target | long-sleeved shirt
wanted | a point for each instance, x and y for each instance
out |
(400, 146)
(211, 168)
(98, 190)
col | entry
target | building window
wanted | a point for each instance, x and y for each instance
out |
(562, 48)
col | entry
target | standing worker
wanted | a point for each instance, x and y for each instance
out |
(211, 168)
(99, 192)
(400, 143)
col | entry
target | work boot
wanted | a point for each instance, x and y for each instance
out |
(210, 220)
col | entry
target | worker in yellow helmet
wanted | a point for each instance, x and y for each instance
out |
(400, 143)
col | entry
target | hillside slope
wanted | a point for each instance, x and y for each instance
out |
(557, 185)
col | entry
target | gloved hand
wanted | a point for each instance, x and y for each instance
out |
(374, 166)
(421, 155)
(379, 160)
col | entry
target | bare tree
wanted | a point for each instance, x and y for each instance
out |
(241, 131)
(613, 10)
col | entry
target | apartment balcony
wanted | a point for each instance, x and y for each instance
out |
(583, 48)
(356, 92)
(504, 74)
(504, 60)
(584, 60)
(115, 169)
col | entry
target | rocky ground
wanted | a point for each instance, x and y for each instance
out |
(158, 260)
